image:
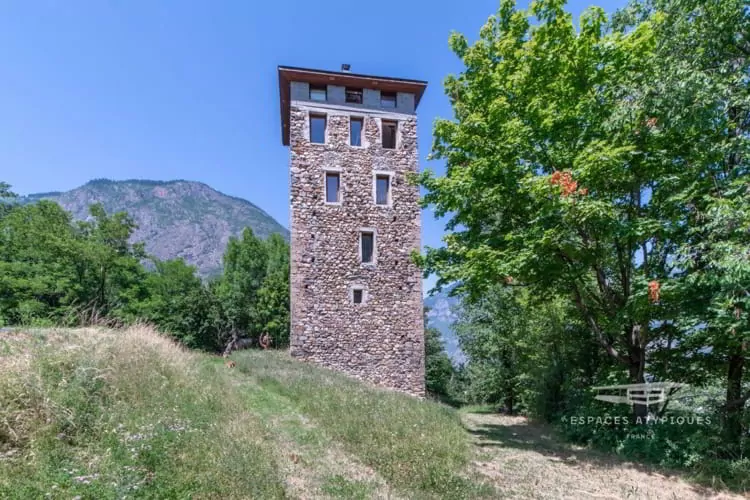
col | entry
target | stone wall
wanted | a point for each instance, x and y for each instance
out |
(381, 340)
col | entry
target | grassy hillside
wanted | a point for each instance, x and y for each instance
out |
(102, 414)
(99, 414)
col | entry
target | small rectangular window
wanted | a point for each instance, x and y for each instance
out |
(318, 129)
(355, 131)
(318, 93)
(388, 100)
(353, 96)
(357, 296)
(382, 189)
(367, 242)
(333, 183)
(390, 130)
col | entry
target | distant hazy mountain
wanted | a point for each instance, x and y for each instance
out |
(175, 218)
(441, 315)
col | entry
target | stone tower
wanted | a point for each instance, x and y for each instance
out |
(356, 296)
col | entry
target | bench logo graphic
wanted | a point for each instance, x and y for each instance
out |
(654, 394)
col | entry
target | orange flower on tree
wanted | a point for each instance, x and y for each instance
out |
(654, 289)
(568, 185)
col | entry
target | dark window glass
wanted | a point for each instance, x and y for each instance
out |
(332, 187)
(318, 129)
(354, 95)
(368, 246)
(355, 131)
(389, 134)
(388, 99)
(357, 296)
(317, 93)
(382, 186)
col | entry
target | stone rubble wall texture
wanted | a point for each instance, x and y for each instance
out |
(381, 340)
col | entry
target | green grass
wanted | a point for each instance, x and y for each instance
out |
(416, 446)
(103, 414)
(341, 487)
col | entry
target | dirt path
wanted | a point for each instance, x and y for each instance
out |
(524, 461)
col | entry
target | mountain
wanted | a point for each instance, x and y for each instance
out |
(175, 218)
(441, 315)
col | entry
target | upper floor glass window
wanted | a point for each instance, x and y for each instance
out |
(318, 93)
(318, 129)
(355, 131)
(353, 96)
(389, 133)
(387, 99)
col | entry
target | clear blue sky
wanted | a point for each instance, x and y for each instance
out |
(188, 90)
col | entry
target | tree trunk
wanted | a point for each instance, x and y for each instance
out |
(735, 404)
(635, 375)
(509, 404)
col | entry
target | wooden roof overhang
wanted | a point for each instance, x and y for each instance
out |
(289, 74)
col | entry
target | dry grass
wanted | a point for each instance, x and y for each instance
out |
(108, 414)
(526, 461)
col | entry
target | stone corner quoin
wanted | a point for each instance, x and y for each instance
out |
(356, 306)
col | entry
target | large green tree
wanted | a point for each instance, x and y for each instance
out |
(438, 368)
(253, 292)
(38, 251)
(495, 334)
(700, 96)
(109, 267)
(273, 295)
(549, 183)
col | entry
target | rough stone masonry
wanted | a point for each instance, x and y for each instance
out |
(379, 335)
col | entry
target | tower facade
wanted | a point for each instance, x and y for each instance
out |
(356, 296)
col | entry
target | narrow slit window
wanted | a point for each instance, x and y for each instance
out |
(333, 184)
(390, 130)
(382, 189)
(318, 129)
(355, 131)
(353, 96)
(357, 294)
(367, 242)
(318, 93)
(388, 100)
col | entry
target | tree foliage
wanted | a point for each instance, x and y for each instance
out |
(439, 370)
(603, 166)
(56, 271)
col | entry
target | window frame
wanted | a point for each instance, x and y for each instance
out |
(362, 232)
(382, 173)
(310, 118)
(363, 294)
(354, 91)
(383, 123)
(389, 94)
(360, 119)
(332, 171)
(318, 88)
